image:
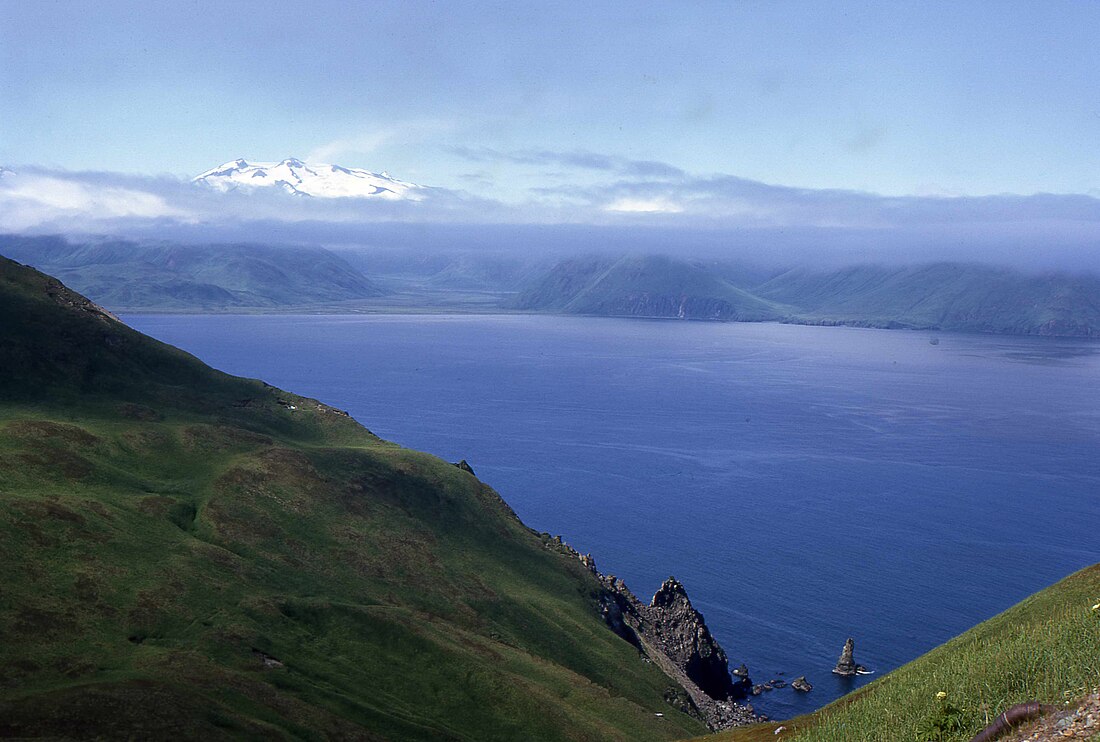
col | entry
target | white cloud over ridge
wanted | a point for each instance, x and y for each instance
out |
(31, 200)
(628, 197)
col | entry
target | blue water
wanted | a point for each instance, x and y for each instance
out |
(806, 484)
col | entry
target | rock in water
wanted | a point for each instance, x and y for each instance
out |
(846, 665)
(802, 684)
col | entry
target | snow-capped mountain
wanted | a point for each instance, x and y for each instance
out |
(307, 179)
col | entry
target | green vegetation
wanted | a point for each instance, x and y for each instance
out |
(942, 296)
(945, 296)
(184, 553)
(647, 286)
(143, 276)
(126, 275)
(1046, 648)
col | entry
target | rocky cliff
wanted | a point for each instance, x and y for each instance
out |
(671, 633)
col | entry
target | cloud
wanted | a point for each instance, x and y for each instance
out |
(644, 206)
(371, 140)
(33, 199)
(712, 213)
(363, 144)
(578, 159)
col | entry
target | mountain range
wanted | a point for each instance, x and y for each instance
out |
(163, 276)
(131, 275)
(940, 296)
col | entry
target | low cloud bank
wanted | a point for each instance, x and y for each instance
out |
(639, 206)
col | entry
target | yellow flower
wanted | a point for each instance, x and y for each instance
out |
(1096, 607)
(941, 695)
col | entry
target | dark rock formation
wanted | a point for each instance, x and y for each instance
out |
(846, 665)
(801, 684)
(672, 634)
(465, 467)
(742, 671)
(680, 631)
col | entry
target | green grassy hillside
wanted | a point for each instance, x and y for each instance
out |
(941, 296)
(645, 286)
(188, 554)
(131, 275)
(946, 296)
(1046, 648)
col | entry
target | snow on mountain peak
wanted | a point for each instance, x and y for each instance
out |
(308, 179)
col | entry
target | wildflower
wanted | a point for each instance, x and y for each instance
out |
(1096, 607)
(941, 695)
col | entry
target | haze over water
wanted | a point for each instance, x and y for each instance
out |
(806, 484)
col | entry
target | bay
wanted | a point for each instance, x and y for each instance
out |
(806, 484)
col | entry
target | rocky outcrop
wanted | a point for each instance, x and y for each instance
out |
(802, 684)
(682, 634)
(846, 665)
(673, 635)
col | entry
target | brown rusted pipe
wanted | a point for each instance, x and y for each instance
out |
(1010, 717)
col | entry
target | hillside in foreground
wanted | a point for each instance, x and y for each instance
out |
(187, 554)
(1044, 649)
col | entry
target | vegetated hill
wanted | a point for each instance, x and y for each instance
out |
(458, 270)
(644, 286)
(942, 296)
(1043, 649)
(188, 554)
(947, 296)
(130, 275)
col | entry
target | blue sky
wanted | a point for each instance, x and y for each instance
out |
(520, 101)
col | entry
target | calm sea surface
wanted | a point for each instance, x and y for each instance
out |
(806, 484)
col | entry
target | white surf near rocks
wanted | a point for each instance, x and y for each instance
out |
(309, 179)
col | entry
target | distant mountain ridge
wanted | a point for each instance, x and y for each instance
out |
(646, 286)
(124, 274)
(944, 296)
(308, 179)
(939, 296)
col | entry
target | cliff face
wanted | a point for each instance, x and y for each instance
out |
(682, 633)
(673, 635)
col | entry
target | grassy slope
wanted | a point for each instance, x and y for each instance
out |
(946, 296)
(1046, 648)
(162, 524)
(131, 275)
(641, 283)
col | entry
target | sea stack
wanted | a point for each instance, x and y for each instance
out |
(801, 684)
(846, 665)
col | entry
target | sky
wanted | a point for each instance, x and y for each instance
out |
(560, 110)
(896, 98)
